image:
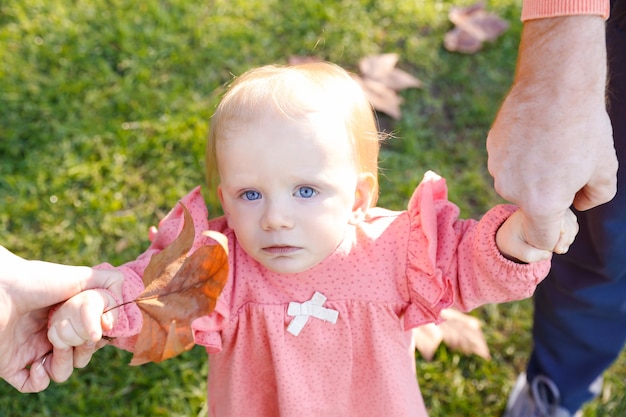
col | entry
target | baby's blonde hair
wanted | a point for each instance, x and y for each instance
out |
(295, 91)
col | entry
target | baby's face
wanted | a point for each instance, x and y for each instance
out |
(288, 188)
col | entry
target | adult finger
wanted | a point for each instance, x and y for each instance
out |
(107, 279)
(35, 379)
(599, 190)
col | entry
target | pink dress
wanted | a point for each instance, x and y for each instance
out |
(333, 340)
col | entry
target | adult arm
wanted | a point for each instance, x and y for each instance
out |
(551, 144)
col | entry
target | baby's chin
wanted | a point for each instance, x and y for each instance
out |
(286, 269)
(288, 265)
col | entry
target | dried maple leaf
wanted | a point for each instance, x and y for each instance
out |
(381, 80)
(381, 97)
(382, 68)
(460, 332)
(474, 26)
(426, 339)
(178, 289)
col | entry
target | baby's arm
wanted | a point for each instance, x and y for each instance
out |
(512, 243)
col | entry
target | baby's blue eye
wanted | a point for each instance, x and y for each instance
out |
(306, 192)
(251, 195)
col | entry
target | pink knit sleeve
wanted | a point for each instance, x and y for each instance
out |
(539, 9)
(455, 262)
(129, 322)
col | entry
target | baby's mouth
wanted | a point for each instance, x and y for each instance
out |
(281, 249)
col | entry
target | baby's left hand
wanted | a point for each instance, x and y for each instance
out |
(513, 245)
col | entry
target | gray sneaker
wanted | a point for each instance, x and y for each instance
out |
(539, 399)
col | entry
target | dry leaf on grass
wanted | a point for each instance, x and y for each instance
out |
(380, 80)
(178, 289)
(459, 332)
(381, 97)
(473, 26)
(382, 68)
(426, 339)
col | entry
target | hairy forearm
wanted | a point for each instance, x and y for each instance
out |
(563, 58)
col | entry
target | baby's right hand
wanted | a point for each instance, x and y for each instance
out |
(78, 324)
(512, 242)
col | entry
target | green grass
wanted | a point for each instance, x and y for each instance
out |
(104, 108)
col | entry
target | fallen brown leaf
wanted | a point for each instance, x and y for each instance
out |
(458, 40)
(382, 68)
(381, 97)
(379, 79)
(427, 339)
(459, 332)
(473, 26)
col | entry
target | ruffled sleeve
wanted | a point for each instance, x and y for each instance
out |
(455, 263)
(207, 329)
(129, 322)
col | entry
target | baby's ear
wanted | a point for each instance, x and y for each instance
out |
(363, 196)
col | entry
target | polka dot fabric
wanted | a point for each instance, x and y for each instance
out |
(395, 271)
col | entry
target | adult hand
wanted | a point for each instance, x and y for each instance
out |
(27, 291)
(551, 144)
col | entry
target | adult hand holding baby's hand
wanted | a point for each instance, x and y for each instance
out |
(513, 244)
(551, 143)
(28, 289)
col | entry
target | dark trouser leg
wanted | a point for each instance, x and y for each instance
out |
(580, 309)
